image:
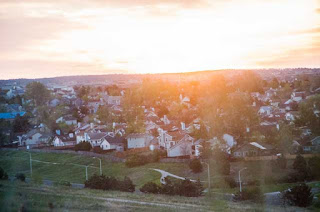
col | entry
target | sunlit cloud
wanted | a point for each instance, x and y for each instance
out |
(41, 38)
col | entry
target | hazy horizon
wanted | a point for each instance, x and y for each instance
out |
(45, 38)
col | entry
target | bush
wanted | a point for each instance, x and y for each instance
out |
(181, 187)
(126, 185)
(231, 182)
(150, 187)
(254, 194)
(314, 164)
(83, 146)
(299, 195)
(3, 174)
(196, 166)
(21, 177)
(97, 149)
(109, 183)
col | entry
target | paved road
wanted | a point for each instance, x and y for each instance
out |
(165, 174)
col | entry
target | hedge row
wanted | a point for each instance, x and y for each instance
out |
(182, 187)
(110, 183)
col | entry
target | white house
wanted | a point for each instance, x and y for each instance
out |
(138, 140)
(265, 110)
(182, 148)
(35, 138)
(69, 120)
(69, 140)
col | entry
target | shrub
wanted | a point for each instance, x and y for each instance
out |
(181, 187)
(231, 182)
(126, 185)
(150, 187)
(3, 174)
(299, 195)
(109, 183)
(254, 194)
(314, 164)
(83, 146)
(97, 149)
(196, 166)
(21, 177)
(282, 162)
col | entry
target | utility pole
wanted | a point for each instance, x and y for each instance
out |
(100, 165)
(209, 186)
(86, 172)
(240, 177)
(30, 162)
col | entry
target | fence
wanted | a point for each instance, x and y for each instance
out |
(274, 157)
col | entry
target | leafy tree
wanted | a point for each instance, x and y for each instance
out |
(84, 110)
(20, 124)
(196, 166)
(282, 162)
(104, 114)
(302, 171)
(284, 138)
(274, 83)
(37, 93)
(222, 163)
(300, 164)
(299, 195)
(314, 164)
(307, 116)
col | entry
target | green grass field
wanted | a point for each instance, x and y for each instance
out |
(18, 162)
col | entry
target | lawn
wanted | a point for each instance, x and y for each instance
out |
(15, 195)
(18, 162)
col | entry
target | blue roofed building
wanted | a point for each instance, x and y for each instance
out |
(12, 115)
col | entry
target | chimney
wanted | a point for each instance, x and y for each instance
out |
(183, 126)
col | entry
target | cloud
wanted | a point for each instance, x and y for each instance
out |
(19, 33)
(186, 4)
(309, 31)
(299, 57)
(46, 68)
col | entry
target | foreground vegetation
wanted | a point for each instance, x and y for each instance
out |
(15, 196)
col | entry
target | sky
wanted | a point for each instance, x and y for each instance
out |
(48, 38)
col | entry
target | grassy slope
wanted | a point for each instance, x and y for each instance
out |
(18, 161)
(37, 198)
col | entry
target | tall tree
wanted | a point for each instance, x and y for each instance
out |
(37, 93)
